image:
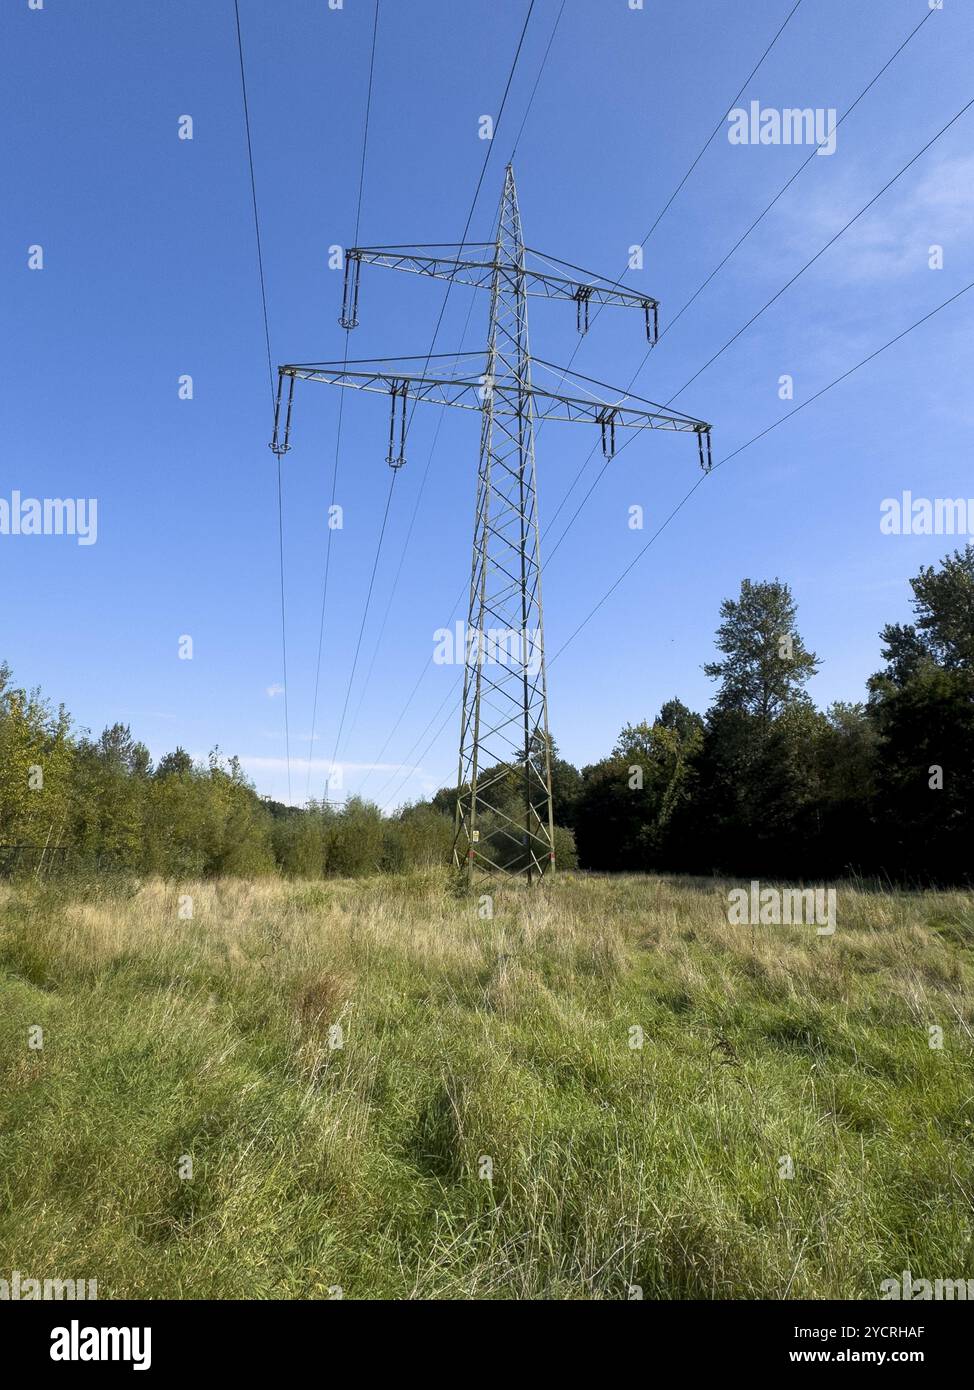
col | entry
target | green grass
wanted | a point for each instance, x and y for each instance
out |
(358, 1166)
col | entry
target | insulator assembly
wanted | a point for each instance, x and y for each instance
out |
(398, 393)
(607, 421)
(582, 295)
(277, 446)
(651, 311)
(349, 314)
(706, 459)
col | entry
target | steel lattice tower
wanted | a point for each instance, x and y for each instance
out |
(504, 813)
(504, 720)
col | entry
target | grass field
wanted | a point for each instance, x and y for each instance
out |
(359, 1166)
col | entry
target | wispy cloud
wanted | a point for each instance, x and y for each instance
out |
(894, 238)
(254, 763)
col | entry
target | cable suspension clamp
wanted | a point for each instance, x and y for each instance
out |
(652, 322)
(353, 268)
(706, 459)
(276, 445)
(398, 391)
(582, 295)
(607, 421)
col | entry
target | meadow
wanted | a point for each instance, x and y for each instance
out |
(599, 1090)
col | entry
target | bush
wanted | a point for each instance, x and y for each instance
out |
(565, 856)
(420, 838)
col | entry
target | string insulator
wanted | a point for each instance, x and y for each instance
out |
(277, 445)
(706, 457)
(399, 392)
(582, 295)
(349, 314)
(607, 422)
(651, 311)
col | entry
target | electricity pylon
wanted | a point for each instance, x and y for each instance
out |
(504, 815)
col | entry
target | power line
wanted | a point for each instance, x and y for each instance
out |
(683, 501)
(410, 697)
(666, 206)
(784, 288)
(341, 404)
(253, 194)
(785, 186)
(439, 423)
(402, 557)
(702, 151)
(270, 377)
(760, 435)
(537, 82)
(831, 242)
(740, 241)
(480, 181)
(838, 379)
(429, 357)
(365, 614)
(450, 715)
(656, 223)
(753, 319)
(717, 127)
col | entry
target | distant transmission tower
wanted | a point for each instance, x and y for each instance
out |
(504, 815)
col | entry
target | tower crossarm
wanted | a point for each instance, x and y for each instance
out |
(628, 412)
(468, 385)
(474, 264)
(609, 409)
(584, 286)
(462, 388)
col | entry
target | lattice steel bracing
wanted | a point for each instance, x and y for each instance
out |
(504, 816)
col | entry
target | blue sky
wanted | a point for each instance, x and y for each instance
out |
(150, 273)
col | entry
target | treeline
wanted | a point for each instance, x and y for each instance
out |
(763, 783)
(766, 784)
(68, 802)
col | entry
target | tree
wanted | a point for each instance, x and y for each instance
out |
(675, 715)
(755, 767)
(36, 757)
(109, 800)
(944, 607)
(566, 787)
(926, 775)
(766, 665)
(922, 706)
(943, 631)
(630, 801)
(119, 750)
(847, 772)
(175, 764)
